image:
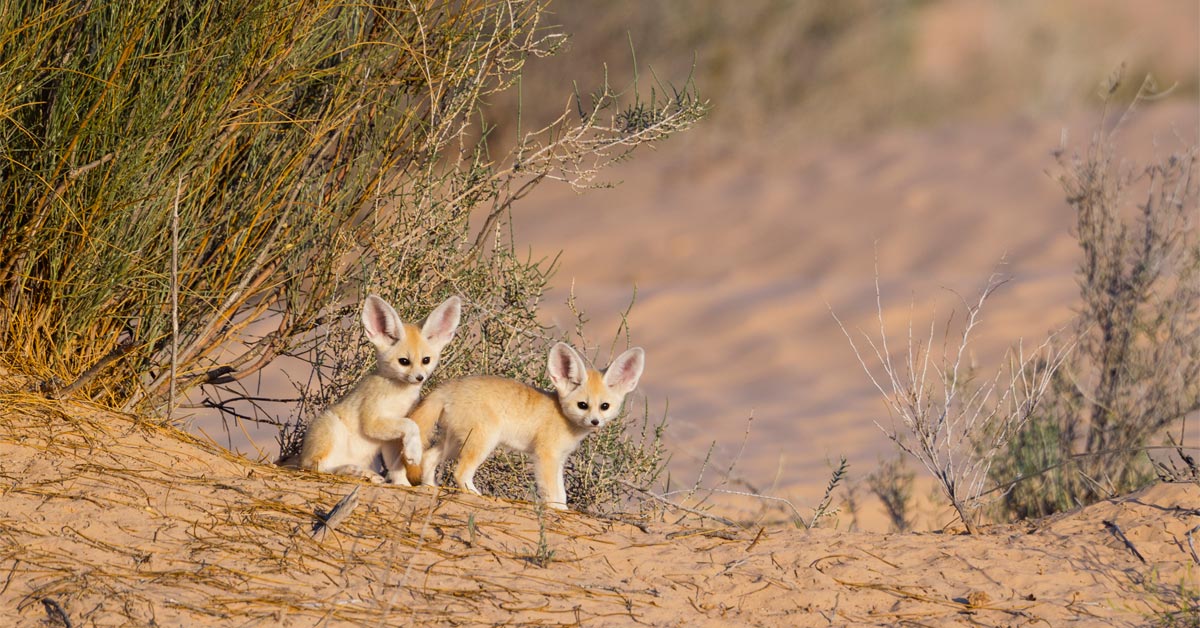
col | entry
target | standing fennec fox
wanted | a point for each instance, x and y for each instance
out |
(477, 414)
(347, 436)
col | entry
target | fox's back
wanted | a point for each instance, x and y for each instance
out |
(512, 413)
(495, 395)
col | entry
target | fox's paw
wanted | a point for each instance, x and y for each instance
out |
(398, 478)
(375, 478)
(412, 450)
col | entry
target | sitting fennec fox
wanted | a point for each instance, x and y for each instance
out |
(477, 414)
(347, 436)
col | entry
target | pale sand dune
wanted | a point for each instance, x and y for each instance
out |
(737, 250)
(111, 521)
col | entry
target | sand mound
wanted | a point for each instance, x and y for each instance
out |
(108, 520)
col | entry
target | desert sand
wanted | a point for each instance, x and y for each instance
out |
(111, 521)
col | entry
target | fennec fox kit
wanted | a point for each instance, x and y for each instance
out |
(477, 414)
(347, 436)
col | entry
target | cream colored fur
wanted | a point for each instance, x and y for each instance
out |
(478, 414)
(346, 438)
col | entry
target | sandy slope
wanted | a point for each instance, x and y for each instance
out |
(114, 522)
(739, 250)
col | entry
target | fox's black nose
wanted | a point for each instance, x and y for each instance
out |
(595, 421)
(420, 378)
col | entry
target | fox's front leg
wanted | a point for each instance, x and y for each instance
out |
(548, 471)
(401, 447)
(392, 429)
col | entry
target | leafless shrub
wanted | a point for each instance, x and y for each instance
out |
(951, 422)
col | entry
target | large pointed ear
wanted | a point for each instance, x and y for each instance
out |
(567, 370)
(381, 322)
(623, 374)
(442, 322)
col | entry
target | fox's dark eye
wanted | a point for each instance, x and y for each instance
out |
(604, 406)
(404, 362)
(425, 360)
(582, 405)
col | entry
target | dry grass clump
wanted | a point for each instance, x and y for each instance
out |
(311, 152)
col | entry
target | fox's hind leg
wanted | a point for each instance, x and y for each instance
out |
(474, 451)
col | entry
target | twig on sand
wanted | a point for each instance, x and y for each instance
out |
(799, 519)
(716, 534)
(55, 611)
(1191, 545)
(340, 511)
(1116, 529)
(757, 538)
(630, 522)
(663, 500)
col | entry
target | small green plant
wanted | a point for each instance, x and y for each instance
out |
(1173, 605)
(542, 554)
(824, 507)
(472, 531)
(892, 482)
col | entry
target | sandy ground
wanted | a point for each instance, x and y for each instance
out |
(109, 521)
(739, 250)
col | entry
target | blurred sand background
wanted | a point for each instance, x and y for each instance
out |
(922, 132)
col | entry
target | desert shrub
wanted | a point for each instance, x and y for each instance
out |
(1136, 372)
(285, 159)
(947, 417)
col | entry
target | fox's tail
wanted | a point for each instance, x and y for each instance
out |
(426, 415)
